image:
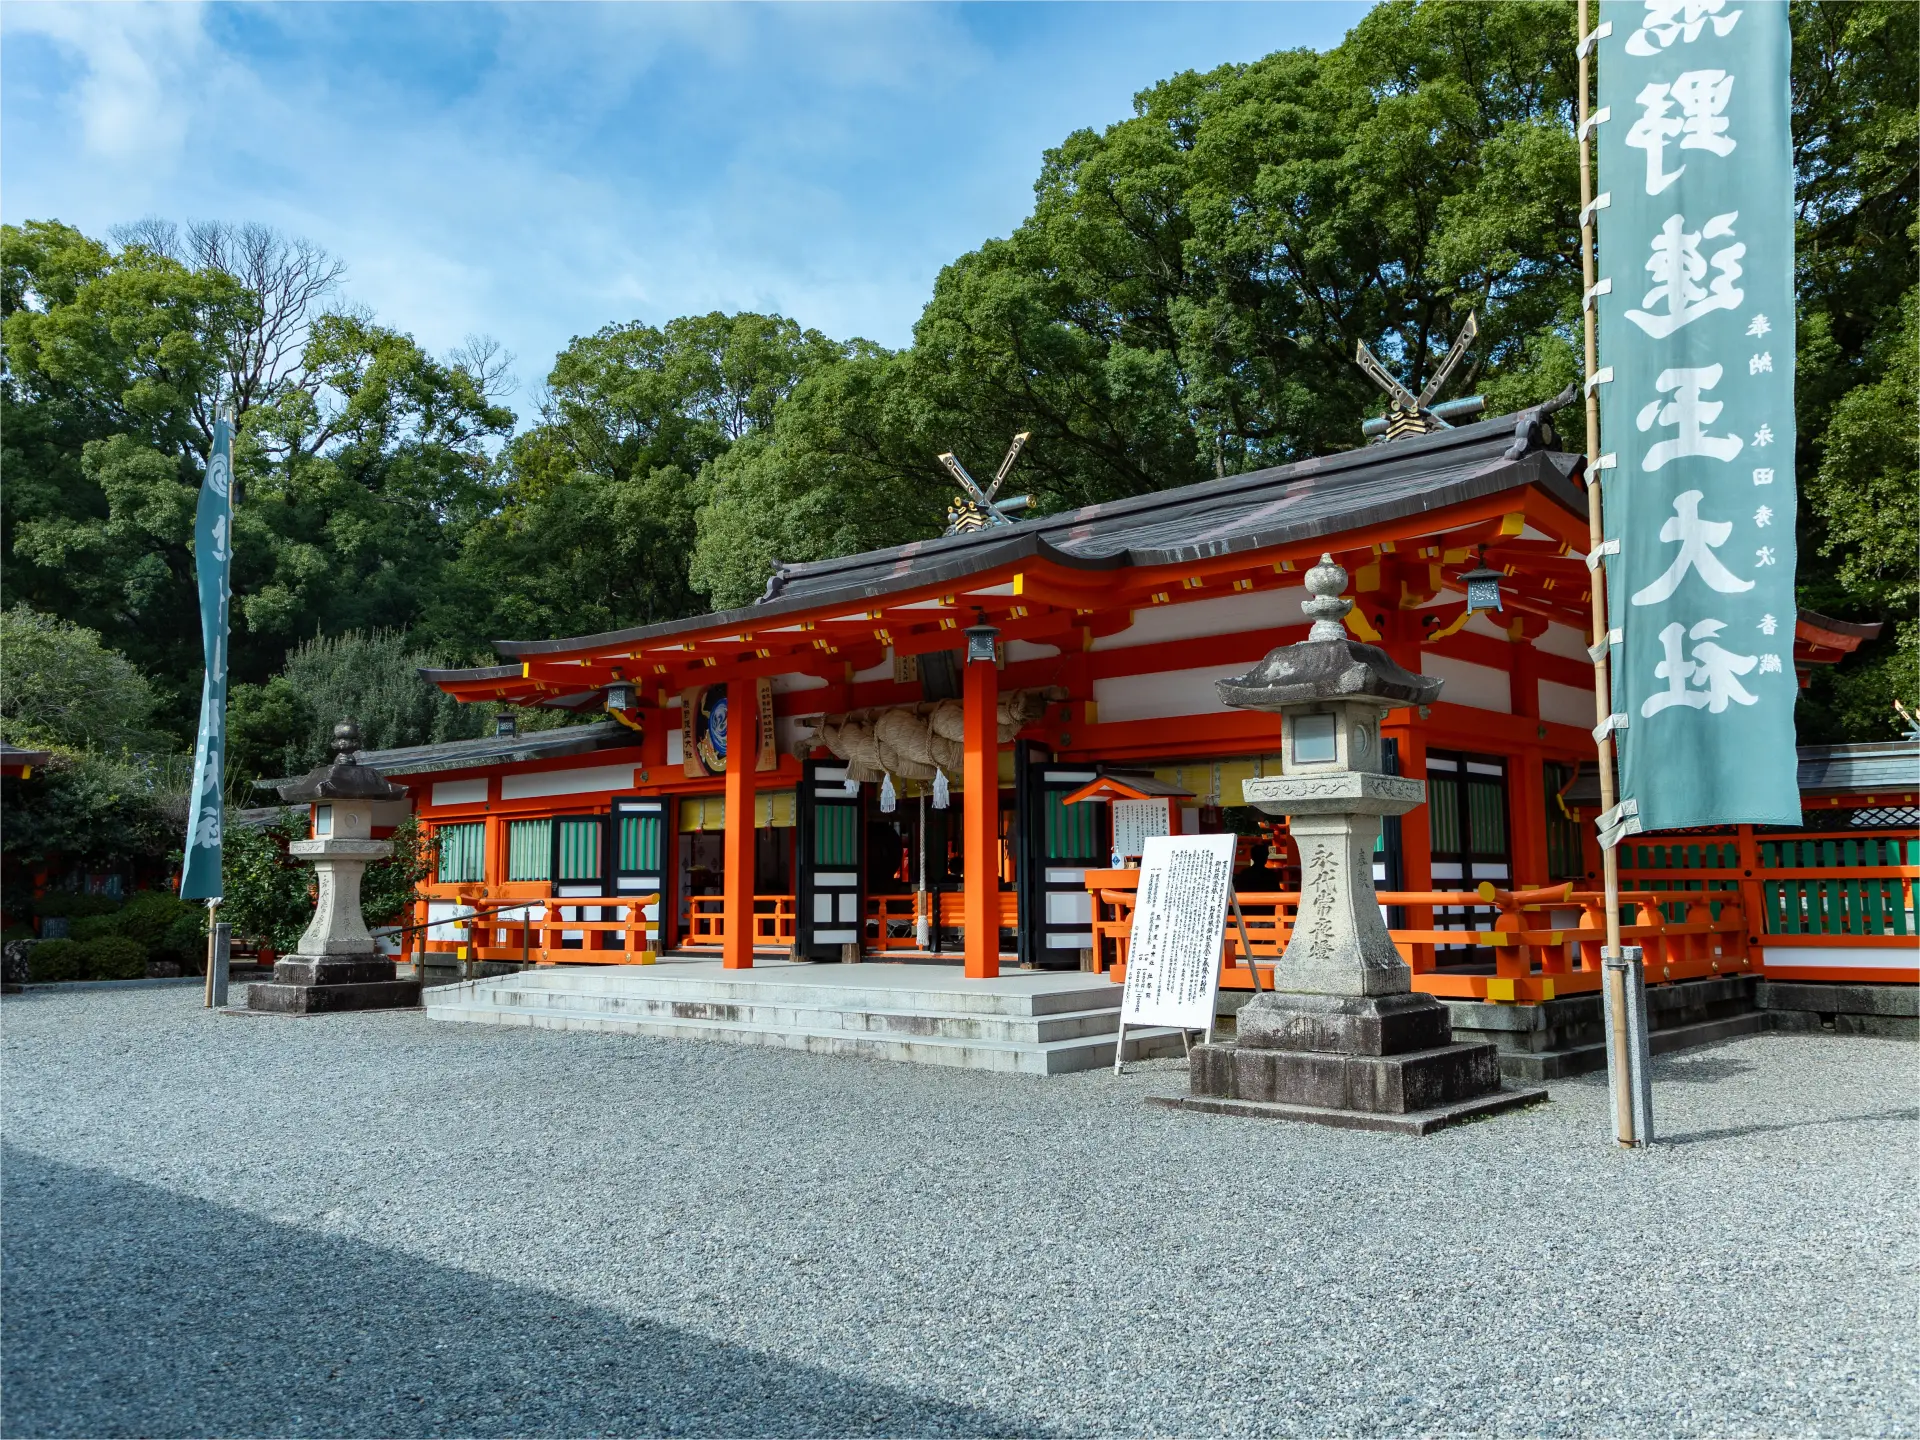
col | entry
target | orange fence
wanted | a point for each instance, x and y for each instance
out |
(1828, 905)
(892, 920)
(1539, 943)
(773, 921)
(473, 925)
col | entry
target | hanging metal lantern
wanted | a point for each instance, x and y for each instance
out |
(1483, 588)
(620, 696)
(980, 638)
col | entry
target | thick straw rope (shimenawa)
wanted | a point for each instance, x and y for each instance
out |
(914, 742)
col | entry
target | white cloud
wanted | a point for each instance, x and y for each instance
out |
(132, 102)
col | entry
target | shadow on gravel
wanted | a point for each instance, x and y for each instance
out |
(1734, 1131)
(133, 1311)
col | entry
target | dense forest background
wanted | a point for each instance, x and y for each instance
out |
(1182, 302)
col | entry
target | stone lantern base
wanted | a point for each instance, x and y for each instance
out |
(1375, 1062)
(314, 985)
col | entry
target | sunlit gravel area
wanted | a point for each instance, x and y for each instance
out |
(377, 1225)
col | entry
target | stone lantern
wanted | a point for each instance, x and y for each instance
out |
(338, 966)
(1342, 1037)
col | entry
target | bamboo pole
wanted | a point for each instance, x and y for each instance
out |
(213, 916)
(1612, 976)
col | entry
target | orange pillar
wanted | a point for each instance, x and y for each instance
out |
(743, 728)
(980, 811)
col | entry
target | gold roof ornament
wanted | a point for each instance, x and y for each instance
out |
(1408, 414)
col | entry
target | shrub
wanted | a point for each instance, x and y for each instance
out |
(93, 927)
(186, 939)
(74, 904)
(149, 914)
(56, 960)
(114, 957)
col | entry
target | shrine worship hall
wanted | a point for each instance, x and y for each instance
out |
(950, 753)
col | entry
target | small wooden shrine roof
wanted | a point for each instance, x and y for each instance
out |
(1127, 787)
(489, 749)
(1873, 768)
(17, 762)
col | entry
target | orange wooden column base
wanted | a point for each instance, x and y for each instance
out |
(743, 723)
(980, 810)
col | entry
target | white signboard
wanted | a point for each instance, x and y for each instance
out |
(1134, 821)
(1179, 923)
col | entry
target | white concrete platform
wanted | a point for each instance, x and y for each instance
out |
(1025, 1022)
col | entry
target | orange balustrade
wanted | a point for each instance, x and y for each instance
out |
(1544, 942)
(531, 930)
(773, 921)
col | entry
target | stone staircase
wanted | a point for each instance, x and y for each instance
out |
(1026, 1023)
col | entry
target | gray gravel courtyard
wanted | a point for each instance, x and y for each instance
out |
(380, 1226)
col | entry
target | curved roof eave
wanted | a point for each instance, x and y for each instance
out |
(753, 617)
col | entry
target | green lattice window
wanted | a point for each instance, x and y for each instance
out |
(836, 839)
(639, 842)
(1073, 831)
(578, 850)
(1443, 813)
(530, 850)
(463, 853)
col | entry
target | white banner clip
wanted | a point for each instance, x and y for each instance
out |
(1598, 117)
(1599, 202)
(1615, 721)
(1599, 377)
(1594, 37)
(1598, 288)
(1597, 652)
(1605, 547)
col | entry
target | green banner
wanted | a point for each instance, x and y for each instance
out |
(1696, 324)
(213, 563)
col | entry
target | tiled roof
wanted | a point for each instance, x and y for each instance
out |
(1286, 504)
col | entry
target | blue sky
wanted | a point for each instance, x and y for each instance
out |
(532, 172)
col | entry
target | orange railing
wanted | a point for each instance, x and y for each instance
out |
(1542, 943)
(773, 921)
(531, 930)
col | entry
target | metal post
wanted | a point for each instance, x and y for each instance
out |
(219, 960)
(1630, 1085)
(1613, 975)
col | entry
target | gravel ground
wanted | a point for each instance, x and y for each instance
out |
(377, 1226)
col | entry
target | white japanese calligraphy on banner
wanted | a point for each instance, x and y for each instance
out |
(1696, 234)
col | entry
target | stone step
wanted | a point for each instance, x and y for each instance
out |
(1582, 1059)
(899, 1016)
(1050, 1057)
(938, 988)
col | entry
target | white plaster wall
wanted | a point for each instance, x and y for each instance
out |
(567, 782)
(1480, 686)
(1566, 704)
(676, 750)
(1221, 615)
(1030, 650)
(1162, 694)
(783, 684)
(1564, 641)
(460, 792)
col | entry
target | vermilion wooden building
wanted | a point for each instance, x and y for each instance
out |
(1112, 625)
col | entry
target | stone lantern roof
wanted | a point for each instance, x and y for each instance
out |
(1329, 664)
(345, 778)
